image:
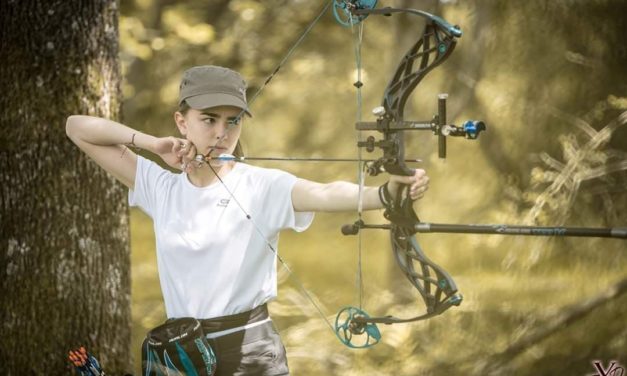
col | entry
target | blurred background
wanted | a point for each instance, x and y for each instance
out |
(549, 78)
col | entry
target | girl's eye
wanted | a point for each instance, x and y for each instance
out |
(230, 122)
(234, 122)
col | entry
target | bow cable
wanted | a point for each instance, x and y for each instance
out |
(248, 216)
(299, 283)
(287, 56)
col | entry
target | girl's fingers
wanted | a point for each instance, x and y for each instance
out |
(180, 146)
(187, 154)
(419, 192)
(191, 152)
(419, 184)
(175, 145)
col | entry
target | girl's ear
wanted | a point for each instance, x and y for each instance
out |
(181, 124)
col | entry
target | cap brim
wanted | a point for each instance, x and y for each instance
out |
(203, 101)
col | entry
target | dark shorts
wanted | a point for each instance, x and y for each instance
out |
(255, 350)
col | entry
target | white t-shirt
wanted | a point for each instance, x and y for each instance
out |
(211, 260)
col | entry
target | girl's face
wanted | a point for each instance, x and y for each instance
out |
(213, 130)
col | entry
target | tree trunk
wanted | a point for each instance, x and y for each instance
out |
(64, 249)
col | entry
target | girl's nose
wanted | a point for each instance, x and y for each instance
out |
(223, 130)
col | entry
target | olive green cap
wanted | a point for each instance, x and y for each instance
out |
(209, 86)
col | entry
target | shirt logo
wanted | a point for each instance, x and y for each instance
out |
(223, 202)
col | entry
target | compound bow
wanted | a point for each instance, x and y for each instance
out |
(436, 287)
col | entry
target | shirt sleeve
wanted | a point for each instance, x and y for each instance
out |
(280, 207)
(150, 179)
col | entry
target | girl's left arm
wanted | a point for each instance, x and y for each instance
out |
(343, 196)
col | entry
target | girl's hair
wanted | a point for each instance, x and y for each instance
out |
(238, 152)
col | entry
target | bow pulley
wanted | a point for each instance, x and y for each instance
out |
(353, 321)
(344, 11)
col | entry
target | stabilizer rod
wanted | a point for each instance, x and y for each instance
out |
(499, 229)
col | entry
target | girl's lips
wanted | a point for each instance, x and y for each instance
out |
(217, 149)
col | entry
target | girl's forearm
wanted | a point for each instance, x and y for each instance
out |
(336, 197)
(99, 131)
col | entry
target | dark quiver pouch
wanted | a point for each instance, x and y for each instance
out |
(178, 347)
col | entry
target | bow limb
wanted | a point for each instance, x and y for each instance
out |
(431, 49)
(435, 285)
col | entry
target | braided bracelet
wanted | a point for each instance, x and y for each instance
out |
(133, 141)
(131, 144)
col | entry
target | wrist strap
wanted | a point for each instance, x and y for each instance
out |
(384, 195)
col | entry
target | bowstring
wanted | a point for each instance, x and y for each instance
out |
(357, 41)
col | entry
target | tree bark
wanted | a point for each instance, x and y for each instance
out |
(64, 249)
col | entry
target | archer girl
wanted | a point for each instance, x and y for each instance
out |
(216, 223)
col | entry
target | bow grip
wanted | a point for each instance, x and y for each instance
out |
(398, 169)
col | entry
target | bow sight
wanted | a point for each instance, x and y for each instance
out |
(391, 146)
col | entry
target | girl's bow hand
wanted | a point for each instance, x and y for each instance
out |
(418, 184)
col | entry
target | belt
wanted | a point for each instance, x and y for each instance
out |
(223, 333)
(224, 325)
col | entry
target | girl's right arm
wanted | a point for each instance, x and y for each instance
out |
(107, 143)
